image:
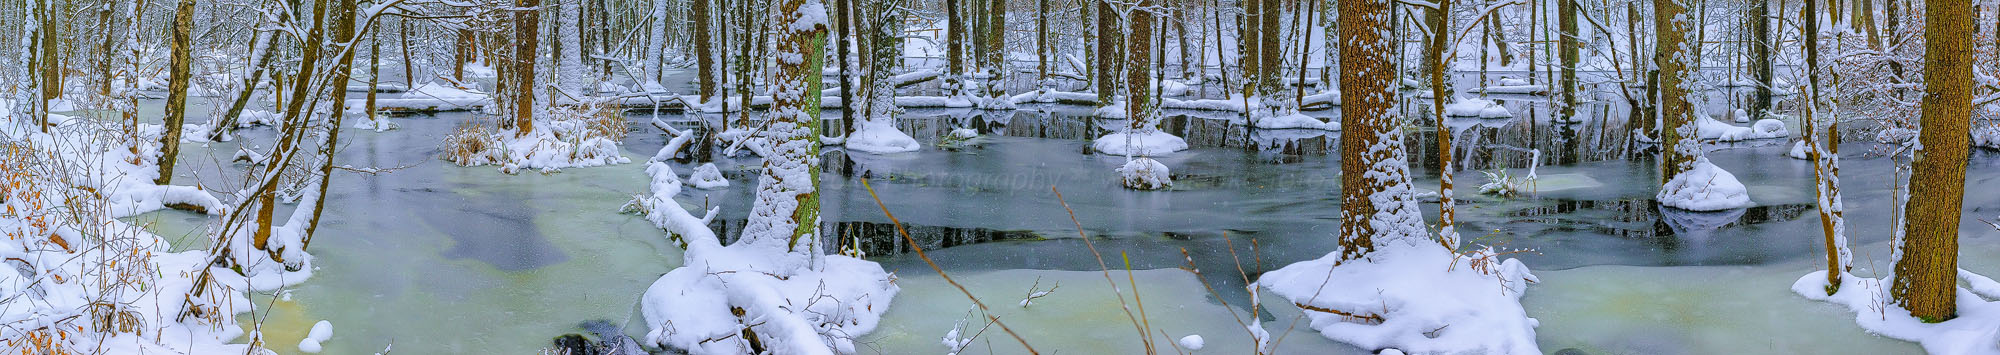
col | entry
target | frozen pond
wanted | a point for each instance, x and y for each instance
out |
(435, 258)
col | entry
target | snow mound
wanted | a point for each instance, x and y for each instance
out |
(1192, 342)
(1976, 331)
(1150, 143)
(1481, 108)
(1296, 120)
(1705, 187)
(1145, 174)
(1709, 128)
(1798, 151)
(1417, 297)
(707, 177)
(706, 306)
(880, 137)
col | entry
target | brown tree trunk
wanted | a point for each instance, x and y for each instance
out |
(343, 32)
(1760, 57)
(996, 49)
(180, 67)
(1108, 39)
(845, 24)
(1370, 138)
(1138, 65)
(1269, 56)
(1864, 17)
(1826, 162)
(1677, 137)
(468, 50)
(227, 123)
(1441, 94)
(1926, 281)
(51, 63)
(954, 52)
(706, 79)
(1247, 41)
(526, 40)
(1568, 45)
(1042, 50)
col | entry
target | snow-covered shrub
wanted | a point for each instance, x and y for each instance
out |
(1144, 174)
(707, 176)
(562, 138)
(1503, 184)
(472, 145)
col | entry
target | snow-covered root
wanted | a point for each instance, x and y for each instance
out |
(1149, 143)
(1415, 297)
(1711, 129)
(1145, 174)
(1705, 187)
(707, 177)
(1481, 108)
(726, 300)
(1976, 331)
(1798, 151)
(874, 136)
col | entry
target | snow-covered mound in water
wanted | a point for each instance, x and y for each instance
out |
(706, 306)
(1296, 120)
(1145, 174)
(1798, 151)
(707, 177)
(1705, 187)
(1416, 297)
(1976, 331)
(1481, 108)
(1149, 143)
(880, 137)
(1710, 128)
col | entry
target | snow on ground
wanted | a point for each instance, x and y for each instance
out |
(1148, 143)
(75, 263)
(702, 306)
(1976, 331)
(1710, 128)
(1705, 187)
(874, 136)
(1799, 151)
(707, 177)
(432, 97)
(1481, 108)
(1145, 174)
(1414, 296)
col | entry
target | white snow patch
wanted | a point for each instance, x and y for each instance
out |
(1150, 143)
(1976, 331)
(707, 177)
(1481, 108)
(1145, 174)
(874, 136)
(1705, 187)
(1426, 299)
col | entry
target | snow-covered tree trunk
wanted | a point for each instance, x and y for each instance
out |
(785, 218)
(1376, 205)
(27, 90)
(658, 42)
(1568, 45)
(180, 67)
(994, 61)
(572, 74)
(1826, 162)
(954, 52)
(1441, 95)
(1926, 281)
(1673, 29)
(51, 64)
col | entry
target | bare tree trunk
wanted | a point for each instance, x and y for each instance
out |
(1143, 111)
(343, 32)
(226, 124)
(1269, 57)
(846, 32)
(51, 63)
(1042, 49)
(180, 65)
(1926, 281)
(1864, 17)
(1247, 43)
(996, 49)
(707, 81)
(954, 53)
(526, 41)
(1678, 135)
(1760, 57)
(1108, 38)
(1567, 49)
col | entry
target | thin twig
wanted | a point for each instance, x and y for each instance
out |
(940, 271)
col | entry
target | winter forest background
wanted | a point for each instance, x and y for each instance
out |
(999, 176)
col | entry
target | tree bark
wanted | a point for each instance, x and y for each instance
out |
(1568, 46)
(1143, 111)
(1760, 57)
(1269, 57)
(1374, 167)
(954, 52)
(1677, 136)
(844, 23)
(343, 32)
(1926, 281)
(1108, 39)
(177, 86)
(1042, 50)
(996, 49)
(785, 216)
(1826, 162)
(526, 41)
(706, 80)
(1441, 94)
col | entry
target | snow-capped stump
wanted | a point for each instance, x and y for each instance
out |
(1416, 296)
(1144, 174)
(1798, 151)
(1145, 143)
(1296, 120)
(1710, 128)
(707, 177)
(880, 136)
(1704, 187)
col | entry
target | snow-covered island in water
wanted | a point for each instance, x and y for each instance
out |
(998, 177)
